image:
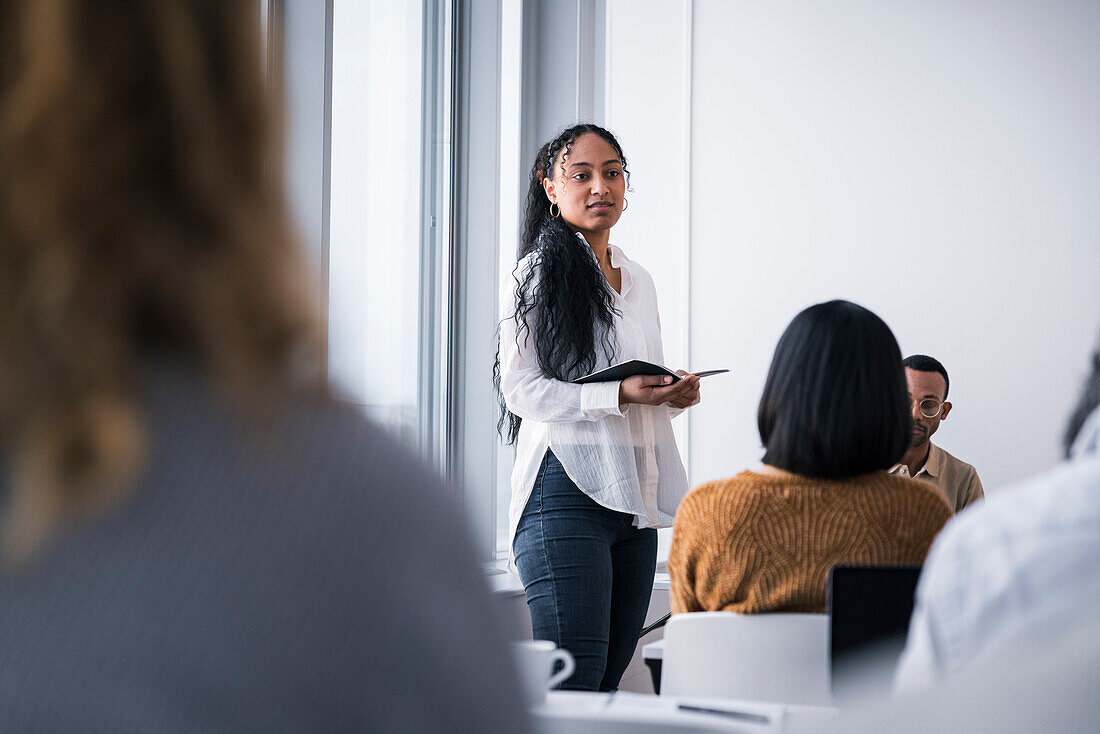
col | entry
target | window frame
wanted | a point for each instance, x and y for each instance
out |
(460, 233)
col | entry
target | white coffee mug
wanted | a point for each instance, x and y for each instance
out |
(536, 660)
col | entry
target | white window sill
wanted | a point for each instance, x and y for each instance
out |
(501, 579)
(505, 582)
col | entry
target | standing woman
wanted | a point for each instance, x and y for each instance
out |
(597, 469)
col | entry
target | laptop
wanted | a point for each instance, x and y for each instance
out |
(869, 611)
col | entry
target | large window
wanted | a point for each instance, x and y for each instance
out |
(409, 124)
(411, 265)
(375, 252)
(511, 188)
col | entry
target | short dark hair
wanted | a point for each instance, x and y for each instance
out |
(835, 403)
(924, 363)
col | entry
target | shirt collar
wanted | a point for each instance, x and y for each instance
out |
(622, 262)
(618, 257)
(618, 260)
(933, 465)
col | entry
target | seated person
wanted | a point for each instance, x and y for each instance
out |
(833, 417)
(1018, 570)
(924, 460)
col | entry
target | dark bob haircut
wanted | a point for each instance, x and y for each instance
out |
(835, 404)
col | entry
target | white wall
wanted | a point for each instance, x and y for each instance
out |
(933, 161)
(648, 108)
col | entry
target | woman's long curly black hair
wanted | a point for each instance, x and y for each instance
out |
(563, 301)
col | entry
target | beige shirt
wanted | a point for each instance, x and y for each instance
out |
(956, 479)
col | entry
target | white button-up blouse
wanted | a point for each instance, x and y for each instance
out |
(623, 457)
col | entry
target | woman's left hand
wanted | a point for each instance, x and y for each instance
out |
(691, 396)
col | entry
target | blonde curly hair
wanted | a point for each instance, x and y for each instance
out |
(142, 213)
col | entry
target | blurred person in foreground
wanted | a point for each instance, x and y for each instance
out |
(1023, 567)
(192, 538)
(833, 418)
(1043, 686)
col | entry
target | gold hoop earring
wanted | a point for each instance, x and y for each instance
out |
(626, 203)
(552, 212)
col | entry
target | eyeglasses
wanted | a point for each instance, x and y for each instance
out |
(929, 407)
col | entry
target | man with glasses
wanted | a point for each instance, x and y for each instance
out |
(928, 384)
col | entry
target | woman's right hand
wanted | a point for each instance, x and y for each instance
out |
(654, 390)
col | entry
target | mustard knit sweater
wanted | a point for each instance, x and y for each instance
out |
(759, 543)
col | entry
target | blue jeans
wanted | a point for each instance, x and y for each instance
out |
(588, 574)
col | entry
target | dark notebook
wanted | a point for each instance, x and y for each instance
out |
(869, 611)
(623, 370)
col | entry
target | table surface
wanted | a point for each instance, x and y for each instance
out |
(654, 650)
(725, 715)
